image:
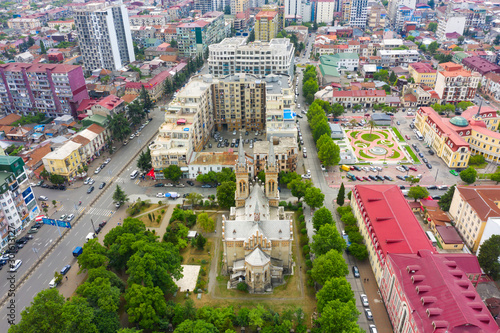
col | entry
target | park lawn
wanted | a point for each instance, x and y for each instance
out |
(412, 154)
(479, 166)
(370, 137)
(362, 154)
(157, 212)
(397, 154)
(400, 137)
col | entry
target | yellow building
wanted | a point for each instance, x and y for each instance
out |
(455, 139)
(64, 161)
(423, 73)
(470, 209)
(266, 25)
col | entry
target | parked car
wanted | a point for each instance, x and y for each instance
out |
(373, 328)
(33, 231)
(442, 188)
(107, 160)
(97, 170)
(359, 178)
(388, 178)
(14, 267)
(307, 176)
(206, 186)
(368, 314)
(412, 168)
(400, 177)
(355, 271)
(421, 155)
(65, 269)
(357, 168)
(431, 152)
(168, 185)
(364, 300)
(454, 173)
(160, 195)
(43, 198)
(158, 185)
(407, 137)
(405, 167)
(372, 177)
(191, 183)
(428, 165)
(432, 187)
(304, 154)
(131, 137)
(436, 197)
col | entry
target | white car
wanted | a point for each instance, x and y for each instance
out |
(97, 170)
(132, 136)
(160, 195)
(70, 217)
(308, 176)
(43, 198)
(14, 267)
(323, 167)
(304, 150)
(63, 217)
(364, 300)
(86, 181)
(91, 181)
(107, 160)
(168, 185)
(298, 106)
(399, 168)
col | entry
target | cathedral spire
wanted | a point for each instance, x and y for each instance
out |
(271, 159)
(241, 153)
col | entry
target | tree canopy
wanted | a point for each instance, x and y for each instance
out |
(418, 192)
(314, 197)
(328, 265)
(225, 194)
(327, 238)
(469, 175)
(489, 253)
(321, 217)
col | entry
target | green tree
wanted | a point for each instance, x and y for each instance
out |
(195, 198)
(146, 99)
(418, 192)
(106, 322)
(93, 255)
(322, 128)
(432, 48)
(262, 176)
(43, 315)
(206, 223)
(358, 251)
(496, 177)
(173, 172)
(321, 217)
(477, 160)
(393, 78)
(136, 112)
(119, 195)
(327, 266)
(322, 140)
(329, 153)
(78, 316)
(225, 194)
(413, 180)
(445, 201)
(432, 26)
(144, 161)
(468, 175)
(431, 3)
(256, 316)
(338, 110)
(44, 174)
(464, 104)
(56, 179)
(334, 289)
(489, 253)
(200, 242)
(299, 187)
(42, 48)
(119, 126)
(287, 177)
(314, 197)
(341, 195)
(100, 293)
(198, 326)
(309, 88)
(327, 238)
(227, 10)
(381, 75)
(225, 175)
(155, 264)
(338, 316)
(145, 305)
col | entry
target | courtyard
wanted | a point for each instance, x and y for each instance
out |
(378, 145)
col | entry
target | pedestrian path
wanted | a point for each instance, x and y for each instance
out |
(100, 211)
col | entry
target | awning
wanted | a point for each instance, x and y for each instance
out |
(39, 218)
(184, 169)
(151, 173)
(174, 194)
(167, 195)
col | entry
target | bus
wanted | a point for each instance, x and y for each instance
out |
(431, 238)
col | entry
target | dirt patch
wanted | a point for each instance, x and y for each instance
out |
(155, 211)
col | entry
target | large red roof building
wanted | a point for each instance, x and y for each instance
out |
(387, 224)
(427, 292)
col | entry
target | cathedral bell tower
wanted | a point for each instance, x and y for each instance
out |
(241, 171)
(272, 192)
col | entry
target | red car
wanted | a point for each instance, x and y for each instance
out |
(407, 137)
(366, 178)
(352, 168)
(412, 168)
(359, 178)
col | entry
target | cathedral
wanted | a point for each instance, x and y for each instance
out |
(258, 234)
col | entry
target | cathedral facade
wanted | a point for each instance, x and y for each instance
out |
(258, 234)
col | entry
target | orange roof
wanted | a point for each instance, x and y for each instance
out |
(96, 128)
(37, 155)
(129, 98)
(268, 15)
(9, 119)
(81, 140)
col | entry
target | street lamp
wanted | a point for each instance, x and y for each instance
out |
(93, 227)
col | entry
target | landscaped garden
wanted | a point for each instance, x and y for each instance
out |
(376, 145)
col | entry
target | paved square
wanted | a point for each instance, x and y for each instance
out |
(188, 281)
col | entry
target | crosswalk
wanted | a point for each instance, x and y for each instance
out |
(100, 211)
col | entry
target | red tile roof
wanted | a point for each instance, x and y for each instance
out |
(360, 93)
(394, 226)
(482, 199)
(444, 128)
(422, 67)
(39, 68)
(449, 234)
(266, 14)
(9, 119)
(110, 102)
(440, 293)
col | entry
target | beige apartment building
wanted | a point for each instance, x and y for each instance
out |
(470, 209)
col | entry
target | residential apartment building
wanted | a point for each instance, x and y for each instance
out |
(205, 162)
(387, 224)
(470, 209)
(480, 65)
(285, 154)
(18, 206)
(451, 22)
(325, 10)
(359, 13)
(377, 17)
(239, 6)
(266, 25)
(147, 20)
(67, 24)
(65, 160)
(280, 110)
(490, 85)
(93, 140)
(415, 95)
(48, 88)
(20, 23)
(431, 292)
(233, 55)
(239, 102)
(346, 10)
(300, 10)
(423, 73)
(188, 125)
(195, 37)
(394, 5)
(104, 36)
(349, 98)
(455, 84)
(393, 58)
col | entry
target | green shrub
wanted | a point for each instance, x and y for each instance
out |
(162, 211)
(306, 250)
(242, 286)
(303, 231)
(302, 218)
(303, 225)
(282, 204)
(309, 264)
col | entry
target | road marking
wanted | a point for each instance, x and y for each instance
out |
(137, 182)
(28, 288)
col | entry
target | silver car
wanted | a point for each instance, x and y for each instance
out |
(364, 300)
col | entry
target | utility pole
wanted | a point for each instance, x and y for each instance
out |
(92, 221)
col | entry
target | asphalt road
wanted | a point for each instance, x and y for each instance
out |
(47, 235)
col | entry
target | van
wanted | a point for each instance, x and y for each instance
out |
(134, 174)
(351, 176)
(431, 238)
(52, 283)
(90, 236)
(345, 167)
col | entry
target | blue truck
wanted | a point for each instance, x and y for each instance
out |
(77, 251)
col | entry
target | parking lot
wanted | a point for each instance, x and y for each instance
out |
(230, 141)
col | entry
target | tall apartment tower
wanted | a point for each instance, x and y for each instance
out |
(359, 13)
(104, 36)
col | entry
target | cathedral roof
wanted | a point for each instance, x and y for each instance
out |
(257, 257)
(271, 229)
(257, 203)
